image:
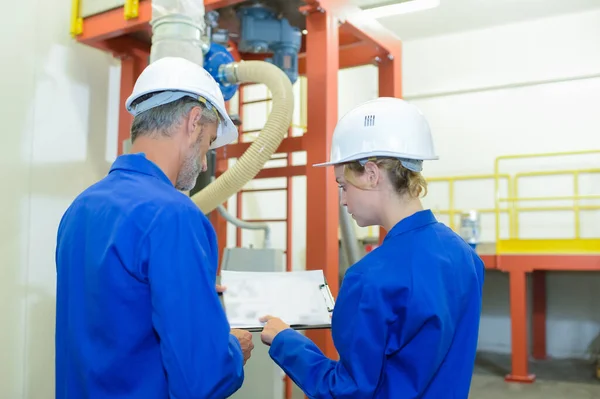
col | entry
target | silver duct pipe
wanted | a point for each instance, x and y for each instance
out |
(247, 225)
(348, 236)
(178, 30)
(242, 224)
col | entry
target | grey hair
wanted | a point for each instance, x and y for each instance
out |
(162, 119)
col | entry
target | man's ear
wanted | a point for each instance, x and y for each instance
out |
(193, 123)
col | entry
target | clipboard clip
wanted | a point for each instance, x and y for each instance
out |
(326, 292)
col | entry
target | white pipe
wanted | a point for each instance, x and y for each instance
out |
(504, 86)
(177, 30)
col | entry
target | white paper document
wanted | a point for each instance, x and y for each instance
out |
(299, 298)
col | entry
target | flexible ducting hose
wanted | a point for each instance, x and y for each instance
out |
(260, 151)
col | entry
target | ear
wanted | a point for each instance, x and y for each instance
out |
(193, 123)
(372, 174)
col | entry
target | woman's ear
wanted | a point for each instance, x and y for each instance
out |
(372, 174)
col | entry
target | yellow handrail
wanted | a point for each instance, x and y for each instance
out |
(451, 180)
(514, 199)
(76, 27)
(576, 208)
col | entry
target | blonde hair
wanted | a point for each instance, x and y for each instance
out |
(404, 180)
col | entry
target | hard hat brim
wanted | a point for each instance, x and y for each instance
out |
(380, 154)
(226, 134)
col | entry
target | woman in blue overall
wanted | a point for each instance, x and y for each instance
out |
(406, 320)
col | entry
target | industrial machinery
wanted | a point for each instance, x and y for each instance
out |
(470, 227)
(272, 42)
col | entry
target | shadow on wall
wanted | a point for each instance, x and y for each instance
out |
(63, 130)
(39, 358)
(572, 320)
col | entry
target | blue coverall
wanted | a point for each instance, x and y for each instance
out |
(405, 323)
(137, 313)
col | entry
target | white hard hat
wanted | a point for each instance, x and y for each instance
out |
(385, 127)
(176, 78)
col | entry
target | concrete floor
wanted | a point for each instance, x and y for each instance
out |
(556, 379)
(494, 387)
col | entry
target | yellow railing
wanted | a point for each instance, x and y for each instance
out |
(452, 211)
(76, 26)
(516, 244)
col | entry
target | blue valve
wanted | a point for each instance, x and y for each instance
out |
(216, 56)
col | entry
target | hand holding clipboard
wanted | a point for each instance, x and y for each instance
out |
(301, 299)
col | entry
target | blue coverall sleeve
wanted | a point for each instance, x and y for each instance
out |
(200, 357)
(356, 375)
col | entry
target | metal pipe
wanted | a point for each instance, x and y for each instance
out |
(247, 225)
(348, 236)
(177, 30)
(505, 86)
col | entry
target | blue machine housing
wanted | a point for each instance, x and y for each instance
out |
(216, 56)
(263, 32)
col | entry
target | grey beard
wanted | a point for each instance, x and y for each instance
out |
(188, 175)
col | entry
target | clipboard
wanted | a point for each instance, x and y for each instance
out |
(329, 302)
(278, 290)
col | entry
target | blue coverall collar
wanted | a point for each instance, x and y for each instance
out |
(415, 221)
(140, 164)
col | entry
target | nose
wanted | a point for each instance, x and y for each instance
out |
(343, 198)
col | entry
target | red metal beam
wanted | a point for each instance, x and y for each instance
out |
(362, 26)
(529, 263)
(286, 171)
(219, 222)
(489, 261)
(350, 55)
(210, 5)
(112, 23)
(321, 189)
(124, 46)
(290, 144)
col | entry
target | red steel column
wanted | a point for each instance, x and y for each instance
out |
(518, 318)
(322, 53)
(538, 324)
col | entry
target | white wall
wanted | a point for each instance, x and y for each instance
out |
(499, 108)
(54, 110)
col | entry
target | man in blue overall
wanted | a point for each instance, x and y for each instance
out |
(137, 313)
